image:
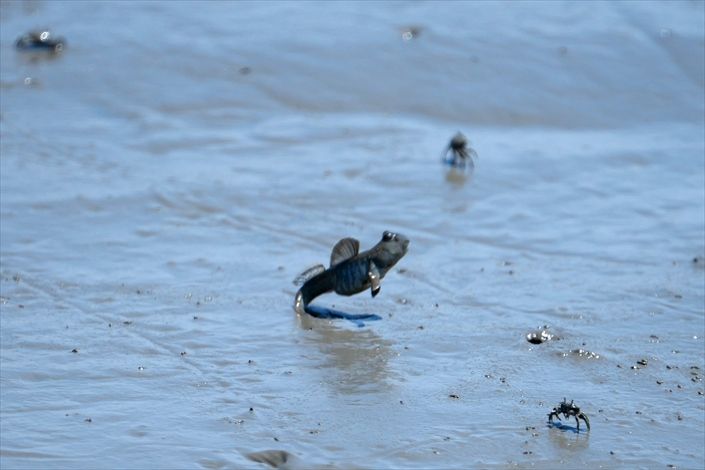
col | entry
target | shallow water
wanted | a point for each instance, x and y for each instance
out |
(163, 182)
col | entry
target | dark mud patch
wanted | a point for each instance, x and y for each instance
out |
(273, 458)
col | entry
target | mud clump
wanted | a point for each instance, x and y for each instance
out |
(582, 353)
(540, 336)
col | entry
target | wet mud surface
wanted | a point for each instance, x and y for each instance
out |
(161, 186)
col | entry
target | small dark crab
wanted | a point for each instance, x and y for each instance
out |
(461, 153)
(569, 409)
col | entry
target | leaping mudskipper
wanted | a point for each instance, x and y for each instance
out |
(350, 272)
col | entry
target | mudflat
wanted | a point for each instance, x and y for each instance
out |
(167, 174)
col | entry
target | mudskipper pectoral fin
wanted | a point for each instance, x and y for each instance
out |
(344, 249)
(374, 279)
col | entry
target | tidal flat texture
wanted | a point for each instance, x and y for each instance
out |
(168, 173)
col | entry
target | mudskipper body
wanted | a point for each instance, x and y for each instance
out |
(350, 271)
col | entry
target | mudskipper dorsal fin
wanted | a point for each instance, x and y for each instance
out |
(344, 249)
(308, 274)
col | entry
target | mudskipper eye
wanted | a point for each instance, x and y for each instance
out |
(387, 236)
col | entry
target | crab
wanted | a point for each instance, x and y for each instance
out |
(461, 153)
(569, 409)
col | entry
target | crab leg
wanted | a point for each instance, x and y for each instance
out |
(584, 417)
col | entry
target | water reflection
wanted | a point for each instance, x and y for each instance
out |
(354, 360)
(459, 176)
(568, 437)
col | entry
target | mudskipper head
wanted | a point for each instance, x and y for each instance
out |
(391, 248)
